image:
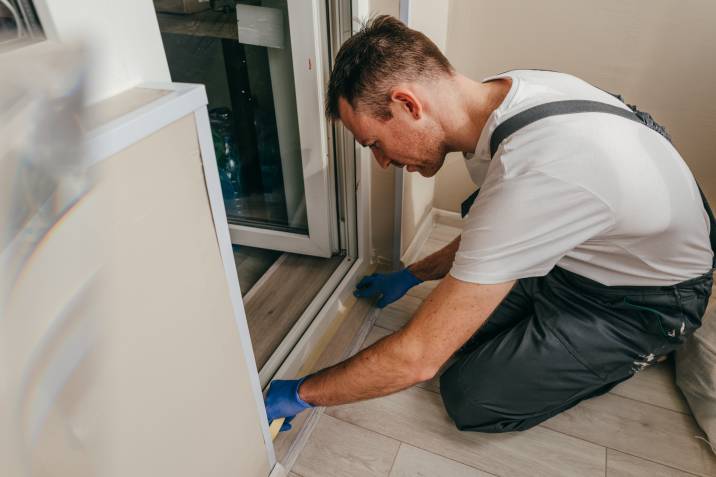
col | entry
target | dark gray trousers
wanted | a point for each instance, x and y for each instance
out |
(559, 339)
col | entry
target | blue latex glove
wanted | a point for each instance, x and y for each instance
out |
(282, 401)
(390, 285)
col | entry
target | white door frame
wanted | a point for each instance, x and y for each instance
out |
(308, 45)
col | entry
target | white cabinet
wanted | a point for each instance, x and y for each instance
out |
(130, 352)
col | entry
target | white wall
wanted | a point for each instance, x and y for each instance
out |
(122, 37)
(382, 198)
(658, 54)
(431, 18)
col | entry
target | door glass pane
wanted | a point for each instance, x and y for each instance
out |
(247, 68)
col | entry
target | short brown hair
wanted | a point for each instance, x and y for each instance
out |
(384, 52)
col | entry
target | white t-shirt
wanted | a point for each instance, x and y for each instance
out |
(599, 195)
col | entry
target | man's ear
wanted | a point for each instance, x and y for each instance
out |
(406, 101)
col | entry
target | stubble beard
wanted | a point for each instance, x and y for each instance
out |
(436, 153)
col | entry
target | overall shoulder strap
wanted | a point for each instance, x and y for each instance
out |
(556, 108)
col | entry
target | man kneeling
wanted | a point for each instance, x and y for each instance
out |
(585, 256)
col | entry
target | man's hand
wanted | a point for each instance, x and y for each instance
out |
(390, 285)
(282, 401)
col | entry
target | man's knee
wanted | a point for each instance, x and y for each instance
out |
(469, 408)
(458, 402)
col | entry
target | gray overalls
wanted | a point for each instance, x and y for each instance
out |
(561, 338)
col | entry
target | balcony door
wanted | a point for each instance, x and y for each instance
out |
(262, 64)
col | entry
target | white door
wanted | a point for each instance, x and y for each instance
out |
(283, 198)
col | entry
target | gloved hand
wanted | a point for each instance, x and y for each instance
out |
(282, 401)
(390, 285)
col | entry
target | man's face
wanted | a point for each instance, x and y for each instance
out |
(405, 140)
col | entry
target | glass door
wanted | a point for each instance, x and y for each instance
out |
(261, 62)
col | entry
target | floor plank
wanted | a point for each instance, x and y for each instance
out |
(625, 465)
(655, 385)
(639, 429)
(275, 305)
(414, 462)
(337, 448)
(374, 335)
(417, 417)
(251, 263)
(397, 314)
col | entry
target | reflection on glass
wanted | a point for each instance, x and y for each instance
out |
(252, 103)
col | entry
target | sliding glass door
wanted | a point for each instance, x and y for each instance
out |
(262, 65)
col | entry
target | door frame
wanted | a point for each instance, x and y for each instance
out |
(308, 38)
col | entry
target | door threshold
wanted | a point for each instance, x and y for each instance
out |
(345, 342)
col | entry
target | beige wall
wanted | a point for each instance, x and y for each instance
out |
(133, 290)
(658, 54)
(431, 18)
(180, 391)
(382, 196)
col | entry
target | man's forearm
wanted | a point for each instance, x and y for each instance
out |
(381, 369)
(386, 367)
(437, 265)
(443, 322)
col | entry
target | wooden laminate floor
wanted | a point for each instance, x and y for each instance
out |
(251, 263)
(280, 297)
(643, 427)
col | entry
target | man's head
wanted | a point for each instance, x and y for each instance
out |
(380, 88)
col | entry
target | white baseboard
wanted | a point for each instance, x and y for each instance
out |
(421, 236)
(447, 217)
(381, 263)
(434, 217)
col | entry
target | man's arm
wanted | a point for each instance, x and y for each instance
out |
(446, 319)
(437, 265)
